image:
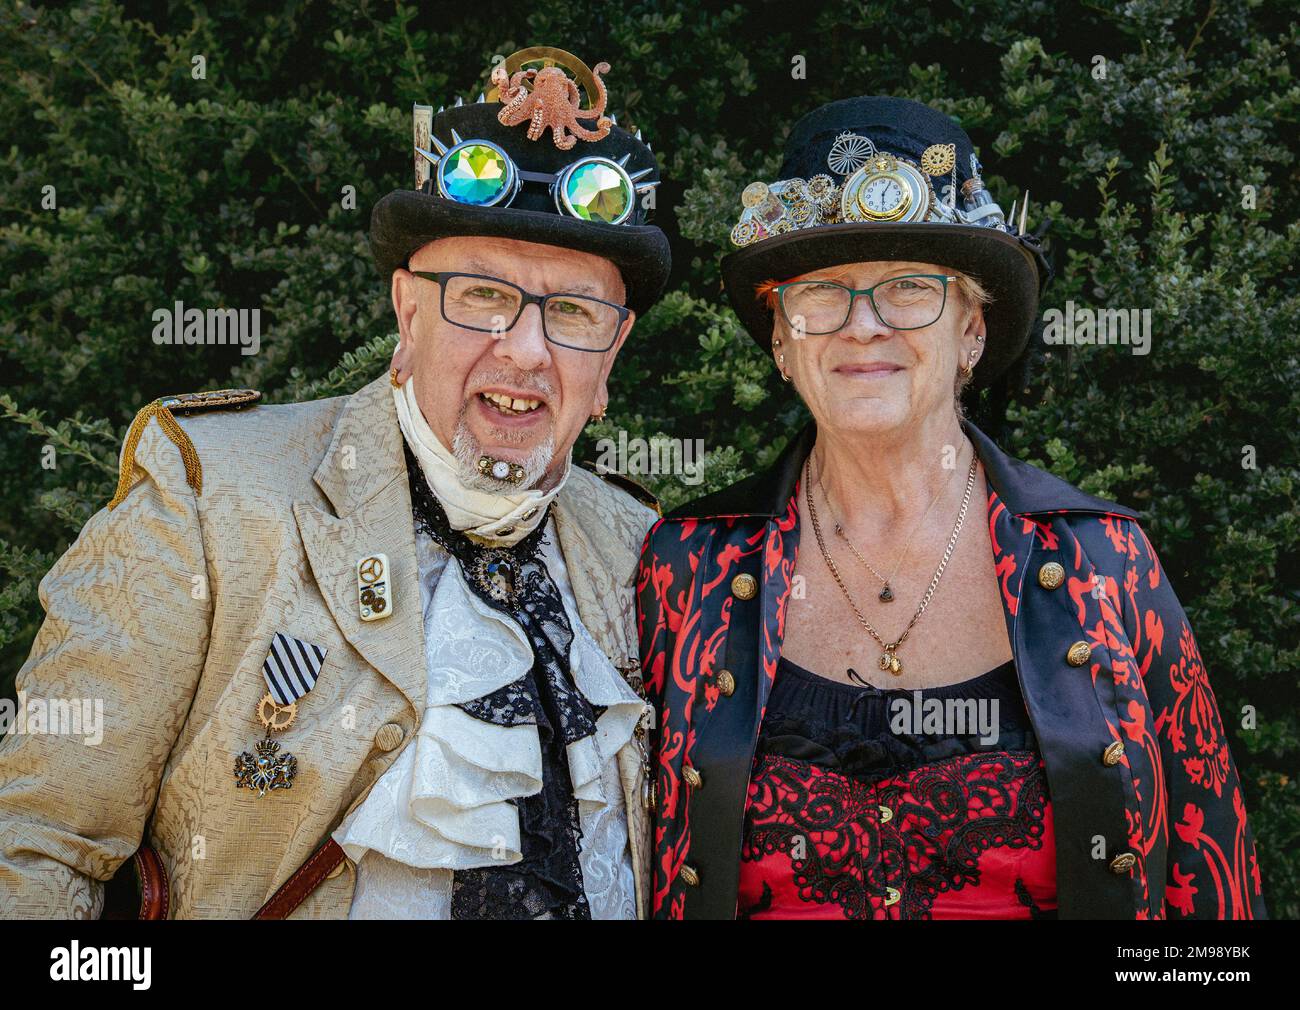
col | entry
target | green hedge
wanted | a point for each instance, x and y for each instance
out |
(228, 190)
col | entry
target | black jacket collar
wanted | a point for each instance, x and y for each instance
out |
(1025, 489)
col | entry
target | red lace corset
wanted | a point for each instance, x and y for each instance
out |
(848, 819)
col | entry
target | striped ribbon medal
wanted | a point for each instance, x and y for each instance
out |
(290, 671)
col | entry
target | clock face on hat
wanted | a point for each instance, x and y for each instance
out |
(884, 197)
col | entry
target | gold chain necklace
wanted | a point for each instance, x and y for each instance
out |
(889, 658)
(886, 594)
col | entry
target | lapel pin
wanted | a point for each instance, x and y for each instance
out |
(374, 600)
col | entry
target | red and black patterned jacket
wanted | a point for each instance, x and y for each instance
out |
(1155, 828)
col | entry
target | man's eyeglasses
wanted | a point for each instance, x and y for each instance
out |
(901, 303)
(493, 305)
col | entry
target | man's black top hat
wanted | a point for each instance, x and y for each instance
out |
(407, 219)
(1009, 265)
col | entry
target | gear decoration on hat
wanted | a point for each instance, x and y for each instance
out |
(553, 101)
(879, 186)
(939, 159)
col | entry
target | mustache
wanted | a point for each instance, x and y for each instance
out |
(515, 379)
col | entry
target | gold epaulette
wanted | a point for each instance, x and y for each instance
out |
(164, 409)
(637, 491)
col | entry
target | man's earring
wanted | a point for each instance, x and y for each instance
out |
(599, 415)
(969, 367)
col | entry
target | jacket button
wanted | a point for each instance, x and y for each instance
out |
(892, 894)
(692, 777)
(744, 587)
(1051, 575)
(1123, 862)
(726, 683)
(1079, 654)
(1111, 755)
(389, 736)
(689, 876)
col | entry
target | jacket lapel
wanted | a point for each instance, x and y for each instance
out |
(363, 474)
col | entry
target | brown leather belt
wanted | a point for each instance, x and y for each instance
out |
(155, 893)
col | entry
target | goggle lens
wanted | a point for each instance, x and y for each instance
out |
(474, 173)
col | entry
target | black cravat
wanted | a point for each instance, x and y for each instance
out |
(514, 581)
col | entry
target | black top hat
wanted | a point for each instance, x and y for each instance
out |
(933, 209)
(537, 192)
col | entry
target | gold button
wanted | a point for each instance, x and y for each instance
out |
(744, 587)
(1111, 755)
(891, 896)
(529, 514)
(1123, 862)
(726, 682)
(1078, 654)
(689, 876)
(1051, 575)
(692, 777)
(886, 815)
(389, 736)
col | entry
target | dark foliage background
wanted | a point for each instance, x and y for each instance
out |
(228, 191)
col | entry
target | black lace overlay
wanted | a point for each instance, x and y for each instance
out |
(548, 877)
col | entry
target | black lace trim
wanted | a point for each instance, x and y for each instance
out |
(548, 877)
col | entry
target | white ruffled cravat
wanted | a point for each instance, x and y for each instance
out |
(445, 803)
(478, 512)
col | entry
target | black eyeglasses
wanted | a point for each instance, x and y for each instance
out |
(492, 305)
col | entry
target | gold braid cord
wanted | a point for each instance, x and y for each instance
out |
(173, 430)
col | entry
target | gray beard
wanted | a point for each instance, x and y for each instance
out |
(467, 450)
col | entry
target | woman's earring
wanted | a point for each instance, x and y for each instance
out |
(599, 416)
(780, 360)
(392, 377)
(969, 367)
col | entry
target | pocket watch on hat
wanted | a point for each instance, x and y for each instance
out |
(885, 188)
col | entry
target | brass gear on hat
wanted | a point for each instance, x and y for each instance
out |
(938, 159)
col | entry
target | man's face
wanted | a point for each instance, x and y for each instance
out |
(462, 376)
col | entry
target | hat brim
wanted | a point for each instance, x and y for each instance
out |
(407, 219)
(998, 260)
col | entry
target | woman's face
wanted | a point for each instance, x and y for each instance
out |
(868, 377)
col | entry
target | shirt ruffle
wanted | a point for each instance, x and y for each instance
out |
(445, 801)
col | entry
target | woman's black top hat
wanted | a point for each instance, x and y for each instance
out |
(880, 178)
(531, 161)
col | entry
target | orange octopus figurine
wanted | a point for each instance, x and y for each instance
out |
(553, 102)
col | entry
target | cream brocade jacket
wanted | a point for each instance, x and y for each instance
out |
(165, 607)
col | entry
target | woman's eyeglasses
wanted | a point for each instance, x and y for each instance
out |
(909, 302)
